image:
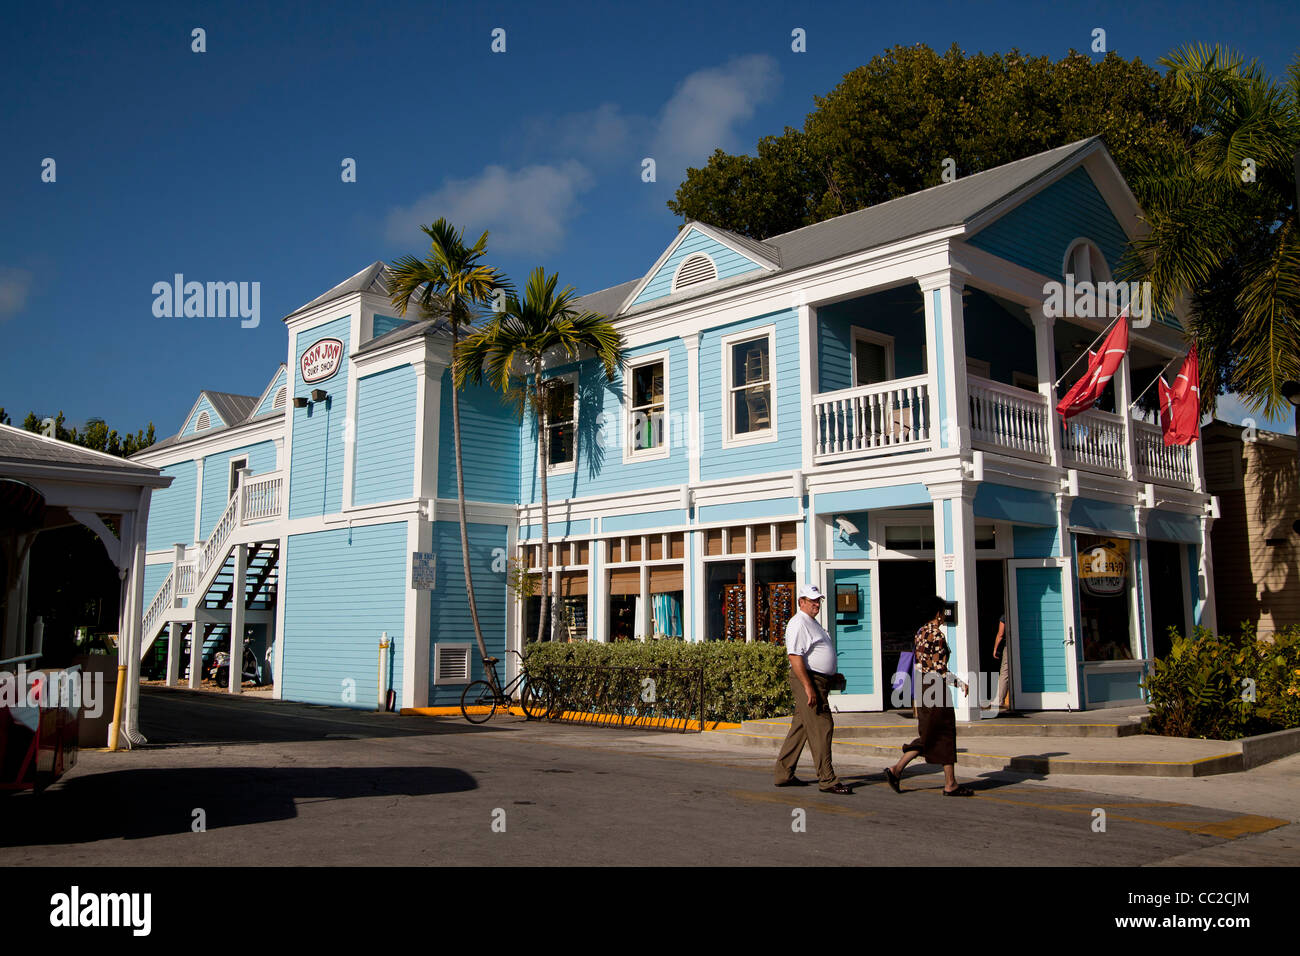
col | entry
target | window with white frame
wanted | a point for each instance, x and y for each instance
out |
(1085, 262)
(873, 357)
(560, 418)
(750, 388)
(647, 404)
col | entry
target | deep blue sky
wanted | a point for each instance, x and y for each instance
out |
(225, 165)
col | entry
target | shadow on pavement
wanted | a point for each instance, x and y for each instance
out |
(134, 804)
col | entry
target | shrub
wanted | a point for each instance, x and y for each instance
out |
(741, 681)
(1226, 687)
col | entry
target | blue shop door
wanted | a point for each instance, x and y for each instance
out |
(851, 609)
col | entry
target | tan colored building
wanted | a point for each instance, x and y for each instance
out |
(1256, 545)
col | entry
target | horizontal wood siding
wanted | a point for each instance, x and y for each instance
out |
(602, 431)
(316, 482)
(1042, 626)
(728, 262)
(171, 509)
(268, 403)
(384, 465)
(491, 434)
(449, 619)
(896, 312)
(216, 478)
(342, 589)
(783, 454)
(154, 575)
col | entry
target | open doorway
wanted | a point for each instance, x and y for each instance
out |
(1167, 589)
(905, 586)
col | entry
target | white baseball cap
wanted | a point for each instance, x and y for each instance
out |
(811, 591)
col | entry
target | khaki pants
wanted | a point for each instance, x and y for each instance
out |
(812, 727)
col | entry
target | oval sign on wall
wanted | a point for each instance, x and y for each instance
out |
(321, 360)
(1103, 570)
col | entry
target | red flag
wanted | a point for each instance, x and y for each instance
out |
(1180, 404)
(1101, 368)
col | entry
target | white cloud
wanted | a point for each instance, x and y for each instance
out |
(591, 135)
(707, 107)
(526, 210)
(15, 284)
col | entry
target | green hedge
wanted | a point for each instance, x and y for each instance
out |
(1226, 687)
(741, 681)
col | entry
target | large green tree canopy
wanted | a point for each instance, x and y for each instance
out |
(886, 130)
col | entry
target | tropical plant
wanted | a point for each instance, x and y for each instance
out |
(451, 282)
(530, 332)
(1223, 235)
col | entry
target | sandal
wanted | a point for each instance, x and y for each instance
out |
(961, 791)
(893, 779)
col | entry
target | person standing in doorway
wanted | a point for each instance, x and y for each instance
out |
(938, 724)
(813, 662)
(1002, 646)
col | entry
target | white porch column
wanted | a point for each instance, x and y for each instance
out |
(954, 540)
(417, 634)
(1205, 578)
(692, 343)
(428, 405)
(174, 646)
(945, 339)
(1045, 346)
(1123, 398)
(1144, 575)
(134, 527)
(198, 500)
(198, 637)
(238, 586)
(1069, 599)
(807, 380)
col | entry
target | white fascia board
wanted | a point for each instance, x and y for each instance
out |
(349, 305)
(482, 512)
(223, 440)
(407, 352)
(64, 485)
(271, 384)
(859, 274)
(704, 230)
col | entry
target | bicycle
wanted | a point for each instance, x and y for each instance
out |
(481, 698)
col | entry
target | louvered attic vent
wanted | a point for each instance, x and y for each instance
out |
(279, 399)
(451, 663)
(696, 269)
(203, 422)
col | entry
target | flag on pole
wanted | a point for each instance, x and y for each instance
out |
(1180, 404)
(1101, 369)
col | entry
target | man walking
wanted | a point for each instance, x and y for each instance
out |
(813, 663)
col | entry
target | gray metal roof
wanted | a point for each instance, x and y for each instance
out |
(232, 408)
(19, 445)
(606, 301)
(369, 279)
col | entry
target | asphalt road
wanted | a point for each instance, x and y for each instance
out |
(292, 784)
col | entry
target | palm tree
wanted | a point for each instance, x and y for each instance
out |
(543, 325)
(451, 281)
(1223, 231)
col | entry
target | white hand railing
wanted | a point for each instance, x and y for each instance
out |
(257, 499)
(1160, 462)
(872, 418)
(261, 497)
(1094, 439)
(1011, 418)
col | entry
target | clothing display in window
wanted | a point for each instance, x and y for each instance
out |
(733, 612)
(667, 615)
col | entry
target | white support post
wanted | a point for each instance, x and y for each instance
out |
(954, 548)
(945, 332)
(1146, 634)
(238, 586)
(1123, 398)
(417, 634)
(199, 637)
(692, 343)
(174, 647)
(807, 380)
(1205, 578)
(1045, 346)
(1070, 639)
(134, 527)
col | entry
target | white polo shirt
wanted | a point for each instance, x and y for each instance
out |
(806, 637)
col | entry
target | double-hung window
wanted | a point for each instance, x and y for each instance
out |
(750, 387)
(647, 403)
(561, 423)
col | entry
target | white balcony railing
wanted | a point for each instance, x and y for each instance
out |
(872, 419)
(1095, 440)
(1011, 419)
(261, 497)
(1157, 461)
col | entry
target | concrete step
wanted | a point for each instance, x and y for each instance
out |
(888, 725)
(1148, 756)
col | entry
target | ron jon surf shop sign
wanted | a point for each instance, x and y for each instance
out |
(321, 360)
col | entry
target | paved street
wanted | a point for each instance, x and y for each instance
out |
(280, 783)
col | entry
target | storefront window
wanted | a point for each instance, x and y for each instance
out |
(726, 600)
(774, 599)
(1106, 598)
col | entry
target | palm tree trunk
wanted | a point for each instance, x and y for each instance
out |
(542, 442)
(460, 501)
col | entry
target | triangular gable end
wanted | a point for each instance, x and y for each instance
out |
(266, 402)
(728, 254)
(201, 407)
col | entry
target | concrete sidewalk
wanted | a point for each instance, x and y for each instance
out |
(1107, 742)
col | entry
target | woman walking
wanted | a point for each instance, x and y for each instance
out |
(938, 725)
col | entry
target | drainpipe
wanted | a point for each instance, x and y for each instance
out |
(382, 703)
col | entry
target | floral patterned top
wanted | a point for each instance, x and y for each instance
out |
(931, 648)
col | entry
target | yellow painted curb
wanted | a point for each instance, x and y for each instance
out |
(581, 717)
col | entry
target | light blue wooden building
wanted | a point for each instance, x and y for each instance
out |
(866, 403)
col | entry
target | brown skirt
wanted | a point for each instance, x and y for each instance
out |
(938, 734)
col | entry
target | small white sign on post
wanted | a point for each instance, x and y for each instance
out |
(424, 570)
(949, 562)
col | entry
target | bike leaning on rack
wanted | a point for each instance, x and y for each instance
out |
(481, 698)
